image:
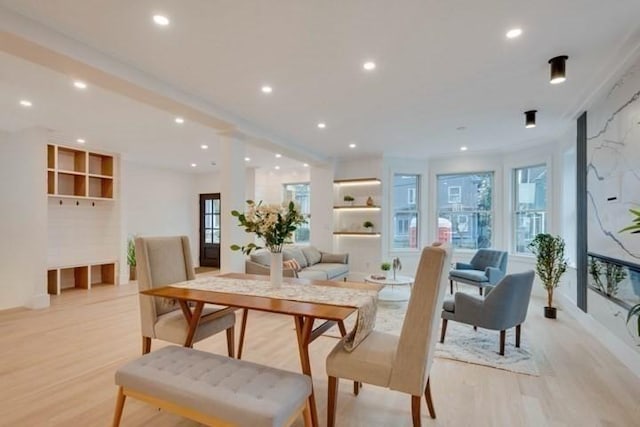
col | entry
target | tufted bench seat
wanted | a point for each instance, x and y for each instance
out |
(214, 390)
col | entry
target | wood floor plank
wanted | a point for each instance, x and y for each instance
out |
(57, 367)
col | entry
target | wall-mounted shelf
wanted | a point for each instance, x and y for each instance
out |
(357, 208)
(355, 233)
(81, 174)
(358, 181)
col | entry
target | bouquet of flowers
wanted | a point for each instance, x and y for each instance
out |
(274, 224)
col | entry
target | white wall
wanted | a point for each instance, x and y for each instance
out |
(268, 183)
(23, 246)
(156, 202)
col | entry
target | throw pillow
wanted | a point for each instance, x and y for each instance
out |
(289, 265)
(293, 252)
(312, 254)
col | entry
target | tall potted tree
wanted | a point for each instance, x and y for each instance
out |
(131, 257)
(550, 265)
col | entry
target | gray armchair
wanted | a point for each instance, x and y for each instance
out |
(504, 307)
(486, 268)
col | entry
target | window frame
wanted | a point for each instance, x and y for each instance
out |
(415, 203)
(306, 214)
(515, 211)
(492, 212)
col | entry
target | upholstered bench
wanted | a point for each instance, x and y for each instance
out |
(214, 390)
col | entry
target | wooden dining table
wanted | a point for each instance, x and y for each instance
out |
(305, 314)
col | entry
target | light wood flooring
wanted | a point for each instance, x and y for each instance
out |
(57, 367)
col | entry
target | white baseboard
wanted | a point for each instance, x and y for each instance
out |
(38, 301)
(615, 345)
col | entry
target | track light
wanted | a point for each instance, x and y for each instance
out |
(530, 119)
(558, 69)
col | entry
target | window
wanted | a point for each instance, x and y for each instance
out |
(300, 193)
(465, 209)
(454, 194)
(406, 212)
(530, 205)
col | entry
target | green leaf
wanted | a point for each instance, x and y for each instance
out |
(235, 247)
(235, 213)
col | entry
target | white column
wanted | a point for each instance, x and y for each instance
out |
(232, 196)
(23, 246)
(321, 180)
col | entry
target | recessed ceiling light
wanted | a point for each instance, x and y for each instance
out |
(514, 32)
(306, 165)
(277, 168)
(247, 159)
(80, 141)
(530, 119)
(322, 125)
(80, 84)
(161, 20)
(369, 65)
(267, 89)
(193, 165)
(558, 69)
(25, 103)
(464, 148)
(278, 155)
(204, 146)
(352, 145)
(179, 120)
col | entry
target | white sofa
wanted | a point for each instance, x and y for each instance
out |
(316, 265)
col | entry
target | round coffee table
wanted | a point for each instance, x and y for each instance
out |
(394, 290)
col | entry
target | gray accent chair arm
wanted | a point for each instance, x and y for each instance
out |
(468, 309)
(494, 274)
(251, 267)
(463, 266)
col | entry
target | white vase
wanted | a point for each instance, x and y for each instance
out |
(276, 269)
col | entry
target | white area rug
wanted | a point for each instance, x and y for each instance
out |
(461, 343)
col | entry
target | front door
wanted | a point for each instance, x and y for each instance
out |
(210, 230)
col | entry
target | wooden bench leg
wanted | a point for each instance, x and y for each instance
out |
(231, 338)
(117, 415)
(429, 399)
(146, 345)
(415, 410)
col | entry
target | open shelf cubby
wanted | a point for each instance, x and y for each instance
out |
(77, 173)
(83, 276)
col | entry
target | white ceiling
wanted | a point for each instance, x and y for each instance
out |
(441, 65)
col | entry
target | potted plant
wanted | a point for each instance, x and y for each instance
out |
(385, 267)
(550, 265)
(368, 225)
(131, 257)
(635, 224)
(349, 199)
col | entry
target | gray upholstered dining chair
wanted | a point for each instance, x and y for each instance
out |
(486, 268)
(399, 363)
(504, 307)
(163, 261)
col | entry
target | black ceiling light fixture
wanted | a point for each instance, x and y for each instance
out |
(530, 119)
(558, 69)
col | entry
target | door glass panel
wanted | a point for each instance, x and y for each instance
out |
(208, 221)
(207, 206)
(216, 221)
(216, 206)
(216, 236)
(208, 236)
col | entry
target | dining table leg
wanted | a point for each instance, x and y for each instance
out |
(193, 319)
(304, 327)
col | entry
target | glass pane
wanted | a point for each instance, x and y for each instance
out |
(207, 206)
(207, 221)
(465, 209)
(405, 227)
(531, 188)
(216, 221)
(216, 236)
(300, 193)
(208, 236)
(216, 206)
(527, 226)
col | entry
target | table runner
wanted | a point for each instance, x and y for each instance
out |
(364, 300)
